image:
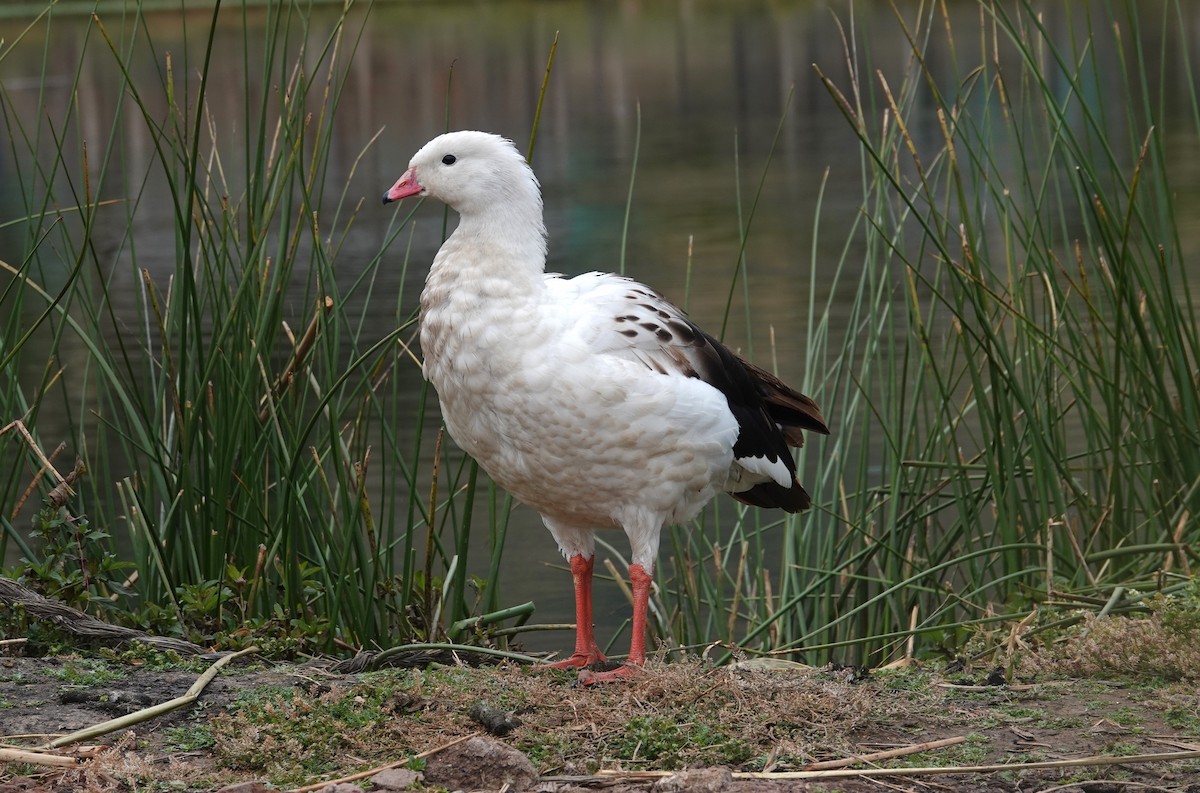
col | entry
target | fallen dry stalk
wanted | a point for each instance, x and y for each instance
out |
(887, 754)
(37, 758)
(377, 769)
(1095, 760)
(145, 714)
(1188, 746)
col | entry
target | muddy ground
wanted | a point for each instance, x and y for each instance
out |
(296, 725)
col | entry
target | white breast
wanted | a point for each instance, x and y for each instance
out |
(581, 435)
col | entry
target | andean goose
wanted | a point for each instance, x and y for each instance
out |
(591, 399)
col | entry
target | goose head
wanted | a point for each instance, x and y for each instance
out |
(469, 171)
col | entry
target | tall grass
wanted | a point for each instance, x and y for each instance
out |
(251, 426)
(1015, 412)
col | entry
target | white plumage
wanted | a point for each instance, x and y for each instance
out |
(591, 399)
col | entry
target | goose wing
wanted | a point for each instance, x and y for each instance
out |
(618, 316)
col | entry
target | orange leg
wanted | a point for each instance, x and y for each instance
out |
(586, 650)
(641, 580)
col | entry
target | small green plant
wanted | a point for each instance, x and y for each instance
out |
(1128, 718)
(75, 563)
(189, 738)
(911, 679)
(651, 739)
(1123, 748)
(1180, 610)
(146, 656)
(664, 742)
(1184, 717)
(86, 672)
(1064, 722)
(973, 751)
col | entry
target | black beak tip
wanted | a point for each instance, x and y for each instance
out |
(386, 200)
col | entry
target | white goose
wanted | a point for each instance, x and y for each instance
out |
(591, 399)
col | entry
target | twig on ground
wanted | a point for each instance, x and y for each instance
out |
(1102, 784)
(841, 773)
(1169, 741)
(37, 758)
(884, 755)
(145, 714)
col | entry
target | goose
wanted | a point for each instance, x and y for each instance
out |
(592, 399)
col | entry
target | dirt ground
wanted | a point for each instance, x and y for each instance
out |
(295, 725)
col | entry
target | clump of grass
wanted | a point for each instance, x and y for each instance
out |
(1183, 716)
(676, 715)
(679, 714)
(974, 751)
(663, 743)
(147, 656)
(1116, 647)
(188, 738)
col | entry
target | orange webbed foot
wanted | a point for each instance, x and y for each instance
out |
(579, 660)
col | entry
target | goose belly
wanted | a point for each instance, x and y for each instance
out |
(586, 441)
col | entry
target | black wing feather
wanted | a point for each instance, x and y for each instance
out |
(770, 414)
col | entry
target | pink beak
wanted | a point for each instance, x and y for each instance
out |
(408, 185)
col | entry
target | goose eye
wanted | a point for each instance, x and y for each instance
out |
(449, 159)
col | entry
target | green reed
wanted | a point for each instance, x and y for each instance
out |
(1014, 408)
(248, 445)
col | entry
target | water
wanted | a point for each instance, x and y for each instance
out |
(712, 83)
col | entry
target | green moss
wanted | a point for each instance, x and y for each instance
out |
(669, 744)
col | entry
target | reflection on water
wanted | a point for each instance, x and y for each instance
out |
(712, 82)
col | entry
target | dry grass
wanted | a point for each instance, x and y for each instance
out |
(675, 715)
(1143, 647)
